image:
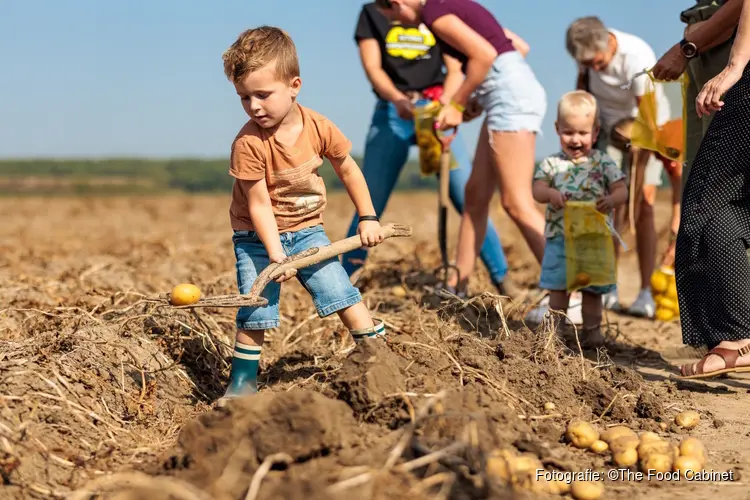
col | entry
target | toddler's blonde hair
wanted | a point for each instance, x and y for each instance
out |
(578, 101)
(255, 48)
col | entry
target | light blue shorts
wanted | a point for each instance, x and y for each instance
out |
(554, 276)
(512, 96)
(327, 282)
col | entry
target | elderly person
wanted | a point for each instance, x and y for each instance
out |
(609, 62)
(404, 65)
(713, 273)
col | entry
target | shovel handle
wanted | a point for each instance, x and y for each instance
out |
(312, 256)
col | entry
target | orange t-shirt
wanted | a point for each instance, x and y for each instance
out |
(297, 191)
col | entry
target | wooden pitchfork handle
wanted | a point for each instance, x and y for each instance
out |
(444, 191)
(297, 261)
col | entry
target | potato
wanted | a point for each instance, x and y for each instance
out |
(561, 486)
(683, 464)
(398, 291)
(184, 294)
(625, 457)
(663, 426)
(499, 465)
(687, 419)
(625, 442)
(581, 434)
(599, 446)
(649, 436)
(587, 490)
(525, 463)
(657, 462)
(654, 447)
(692, 447)
(549, 407)
(613, 433)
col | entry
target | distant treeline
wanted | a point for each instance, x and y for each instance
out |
(134, 176)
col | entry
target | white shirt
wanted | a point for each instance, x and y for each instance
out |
(633, 55)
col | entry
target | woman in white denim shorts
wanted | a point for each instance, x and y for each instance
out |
(504, 85)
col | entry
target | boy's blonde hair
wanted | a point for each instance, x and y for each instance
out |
(578, 101)
(255, 48)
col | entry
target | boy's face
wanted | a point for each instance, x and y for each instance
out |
(265, 98)
(404, 11)
(577, 133)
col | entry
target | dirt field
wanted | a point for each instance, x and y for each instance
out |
(106, 396)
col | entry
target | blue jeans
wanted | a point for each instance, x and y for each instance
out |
(386, 152)
(326, 281)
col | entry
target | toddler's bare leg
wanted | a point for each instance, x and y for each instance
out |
(592, 320)
(558, 302)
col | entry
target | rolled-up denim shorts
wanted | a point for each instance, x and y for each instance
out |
(512, 96)
(554, 269)
(327, 282)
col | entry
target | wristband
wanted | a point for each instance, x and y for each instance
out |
(458, 106)
(369, 217)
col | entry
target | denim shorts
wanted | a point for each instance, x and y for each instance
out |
(512, 96)
(554, 275)
(327, 282)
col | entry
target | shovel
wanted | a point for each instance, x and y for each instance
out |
(274, 270)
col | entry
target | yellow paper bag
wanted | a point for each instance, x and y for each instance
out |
(667, 139)
(428, 144)
(589, 248)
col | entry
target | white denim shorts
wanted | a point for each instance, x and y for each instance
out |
(512, 96)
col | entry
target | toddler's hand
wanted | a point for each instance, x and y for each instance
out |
(556, 199)
(370, 232)
(604, 204)
(289, 274)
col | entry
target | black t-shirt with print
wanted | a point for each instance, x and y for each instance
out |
(409, 55)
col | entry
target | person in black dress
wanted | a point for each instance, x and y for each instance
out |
(712, 269)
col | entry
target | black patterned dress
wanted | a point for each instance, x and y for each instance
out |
(711, 264)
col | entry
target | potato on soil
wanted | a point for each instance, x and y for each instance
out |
(599, 446)
(587, 490)
(581, 434)
(660, 447)
(657, 462)
(684, 464)
(613, 433)
(625, 442)
(649, 436)
(687, 419)
(625, 457)
(692, 447)
(549, 406)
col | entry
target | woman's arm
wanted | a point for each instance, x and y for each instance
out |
(369, 53)
(454, 76)
(480, 52)
(740, 54)
(708, 34)
(518, 42)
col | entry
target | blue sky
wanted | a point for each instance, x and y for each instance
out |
(96, 78)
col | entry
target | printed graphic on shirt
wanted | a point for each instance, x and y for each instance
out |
(297, 193)
(409, 43)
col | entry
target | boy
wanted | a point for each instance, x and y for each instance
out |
(278, 197)
(579, 173)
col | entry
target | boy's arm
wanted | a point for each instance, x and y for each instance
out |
(618, 193)
(264, 221)
(354, 182)
(541, 189)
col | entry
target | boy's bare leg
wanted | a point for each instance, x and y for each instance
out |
(592, 320)
(358, 320)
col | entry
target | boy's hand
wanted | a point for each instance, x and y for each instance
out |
(278, 258)
(605, 204)
(556, 199)
(370, 232)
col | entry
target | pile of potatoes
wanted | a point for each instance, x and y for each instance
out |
(519, 470)
(649, 451)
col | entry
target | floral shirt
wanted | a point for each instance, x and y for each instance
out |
(585, 179)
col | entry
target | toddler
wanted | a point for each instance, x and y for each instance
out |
(278, 198)
(578, 172)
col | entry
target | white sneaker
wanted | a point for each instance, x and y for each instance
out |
(611, 301)
(574, 313)
(644, 306)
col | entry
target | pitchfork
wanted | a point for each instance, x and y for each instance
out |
(443, 198)
(297, 261)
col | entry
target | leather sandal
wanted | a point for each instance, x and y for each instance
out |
(730, 357)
